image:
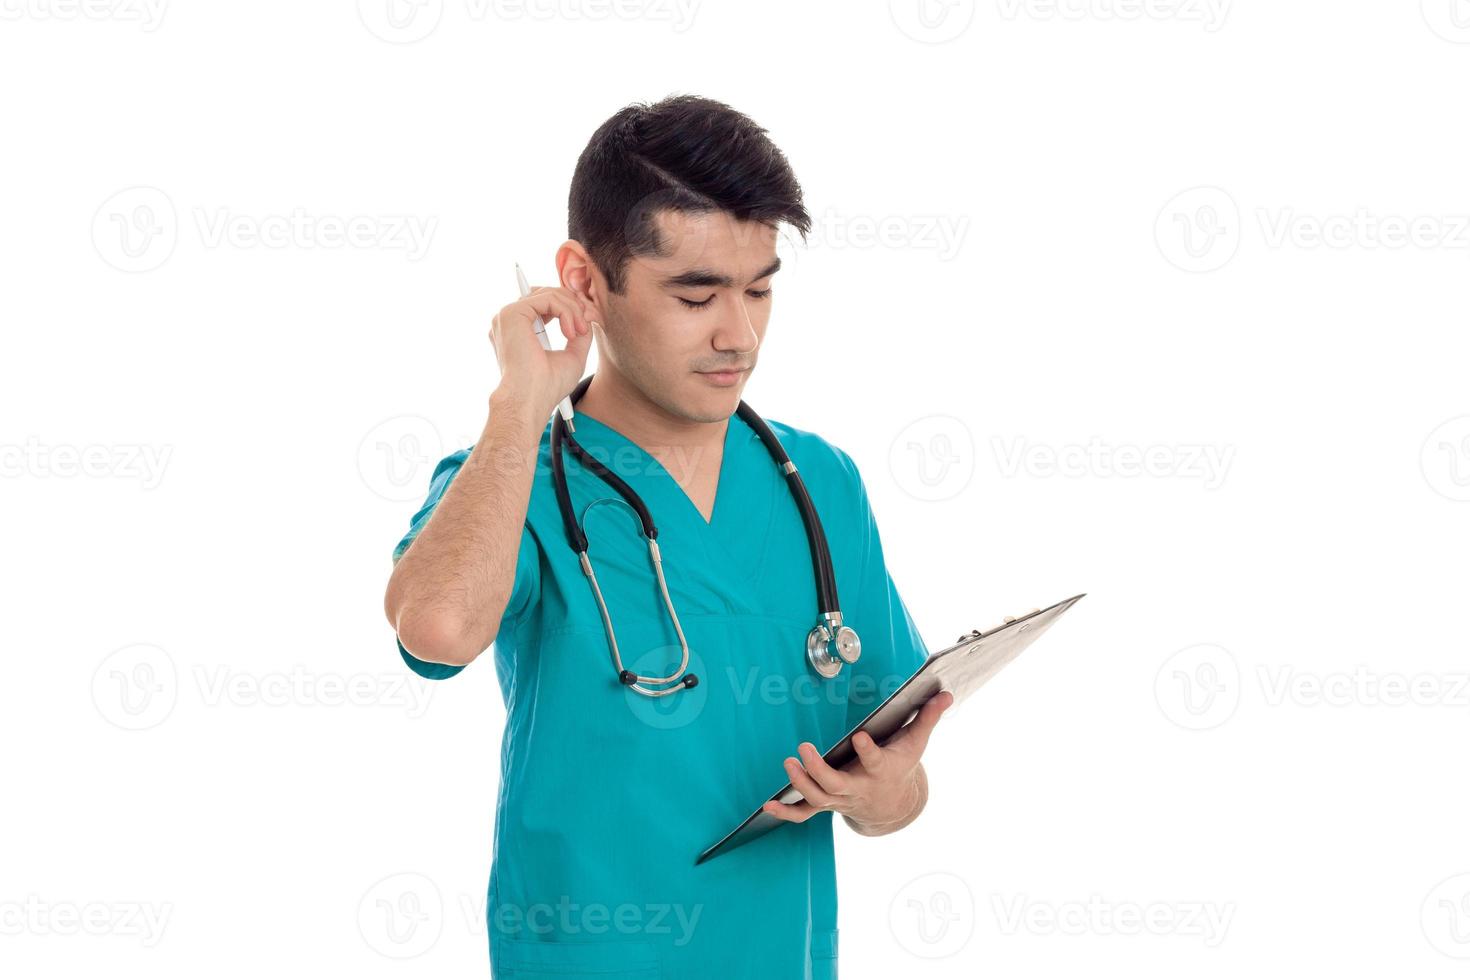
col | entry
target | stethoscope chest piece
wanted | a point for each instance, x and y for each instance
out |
(830, 645)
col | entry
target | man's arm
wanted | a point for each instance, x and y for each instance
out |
(450, 588)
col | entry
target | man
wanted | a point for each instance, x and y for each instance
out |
(608, 795)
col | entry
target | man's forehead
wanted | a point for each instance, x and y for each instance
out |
(712, 241)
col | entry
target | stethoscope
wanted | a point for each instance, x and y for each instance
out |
(828, 646)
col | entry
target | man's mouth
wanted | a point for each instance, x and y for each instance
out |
(724, 377)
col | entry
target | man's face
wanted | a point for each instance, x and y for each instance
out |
(700, 308)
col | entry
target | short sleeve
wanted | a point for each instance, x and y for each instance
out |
(527, 584)
(893, 649)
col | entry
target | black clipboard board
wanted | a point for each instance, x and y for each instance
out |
(961, 669)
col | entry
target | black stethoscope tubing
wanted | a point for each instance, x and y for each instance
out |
(815, 535)
(829, 645)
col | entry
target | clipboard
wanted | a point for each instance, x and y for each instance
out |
(960, 669)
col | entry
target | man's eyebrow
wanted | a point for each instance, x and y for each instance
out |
(707, 277)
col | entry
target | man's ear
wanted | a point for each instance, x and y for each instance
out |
(580, 274)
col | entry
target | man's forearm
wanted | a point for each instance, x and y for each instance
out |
(915, 800)
(449, 589)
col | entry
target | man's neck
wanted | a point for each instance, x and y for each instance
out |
(691, 451)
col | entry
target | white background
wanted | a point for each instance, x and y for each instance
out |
(1052, 242)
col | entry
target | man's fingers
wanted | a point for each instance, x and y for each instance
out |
(929, 717)
(566, 306)
(831, 780)
(525, 311)
(940, 703)
(916, 733)
(569, 314)
(869, 753)
(794, 812)
(802, 781)
(574, 353)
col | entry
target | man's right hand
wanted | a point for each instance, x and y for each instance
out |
(529, 375)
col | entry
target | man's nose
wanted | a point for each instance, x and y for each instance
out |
(736, 332)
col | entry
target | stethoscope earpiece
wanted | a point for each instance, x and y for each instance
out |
(630, 679)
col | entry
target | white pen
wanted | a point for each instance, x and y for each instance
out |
(566, 403)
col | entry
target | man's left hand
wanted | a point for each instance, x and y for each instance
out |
(880, 791)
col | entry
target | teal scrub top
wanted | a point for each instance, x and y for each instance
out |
(608, 796)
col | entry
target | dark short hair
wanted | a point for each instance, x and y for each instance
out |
(682, 153)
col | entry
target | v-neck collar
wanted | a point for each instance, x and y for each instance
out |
(733, 543)
(723, 483)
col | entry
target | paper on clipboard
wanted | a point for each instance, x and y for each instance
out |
(960, 669)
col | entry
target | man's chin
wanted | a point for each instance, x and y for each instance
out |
(711, 402)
